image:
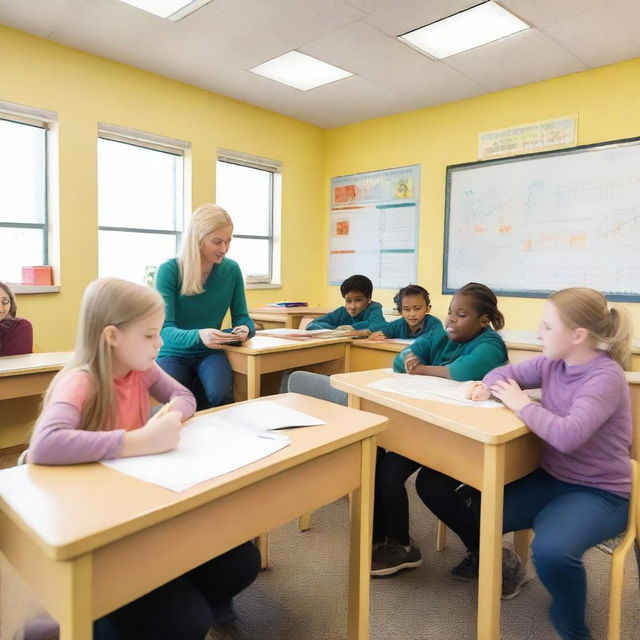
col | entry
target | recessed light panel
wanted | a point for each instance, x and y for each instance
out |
(465, 30)
(300, 71)
(169, 9)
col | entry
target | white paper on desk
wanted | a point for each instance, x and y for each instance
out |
(401, 340)
(431, 388)
(209, 447)
(283, 331)
(267, 415)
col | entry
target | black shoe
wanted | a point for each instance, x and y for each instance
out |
(468, 569)
(224, 613)
(392, 557)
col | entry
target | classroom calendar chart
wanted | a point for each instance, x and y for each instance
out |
(530, 225)
(374, 227)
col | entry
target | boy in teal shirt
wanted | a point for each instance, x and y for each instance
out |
(358, 311)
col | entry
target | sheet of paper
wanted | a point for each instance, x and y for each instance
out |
(209, 447)
(267, 415)
(282, 331)
(430, 388)
(401, 340)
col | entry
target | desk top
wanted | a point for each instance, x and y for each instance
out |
(491, 426)
(291, 311)
(269, 344)
(33, 363)
(70, 510)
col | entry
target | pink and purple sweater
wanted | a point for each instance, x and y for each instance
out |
(58, 437)
(584, 421)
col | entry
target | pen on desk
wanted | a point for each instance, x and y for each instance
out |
(165, 409)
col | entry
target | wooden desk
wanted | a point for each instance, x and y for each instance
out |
(265, 354)
(372, 354)
(29, 374)
(288, 317)
(485, 448)
(85, 552)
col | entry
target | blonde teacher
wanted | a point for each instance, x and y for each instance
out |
(198, 288)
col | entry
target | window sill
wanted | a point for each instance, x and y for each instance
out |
(21, 289)
(264, 285)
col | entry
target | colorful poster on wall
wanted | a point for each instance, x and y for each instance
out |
(374, 226)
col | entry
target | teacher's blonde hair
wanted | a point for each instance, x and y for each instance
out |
(106, 302)
(609, 327)
(206, 219)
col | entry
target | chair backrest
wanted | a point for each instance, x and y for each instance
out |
(316, 386)
(633, 379)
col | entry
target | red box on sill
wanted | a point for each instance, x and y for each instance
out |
(37, 275)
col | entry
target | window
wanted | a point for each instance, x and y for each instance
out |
(249, 189)
(141, 204)
(23, 194)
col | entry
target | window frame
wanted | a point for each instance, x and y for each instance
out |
(162, 144)
(44, 120)
(274, 168)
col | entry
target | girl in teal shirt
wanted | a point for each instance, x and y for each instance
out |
(414, 304)
(466, 349)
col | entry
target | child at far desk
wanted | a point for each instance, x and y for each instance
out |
(16, 334)
(414, 304)
(358, 311)
(579, 496)
(97, 408)
(467, 349)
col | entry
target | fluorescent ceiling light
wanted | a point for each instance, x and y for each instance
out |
(465, 30)
(300, 71)
(170, 9)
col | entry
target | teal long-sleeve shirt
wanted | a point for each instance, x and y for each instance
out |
(400, 329)
(338, 317)
(466, 361)
(186, 315)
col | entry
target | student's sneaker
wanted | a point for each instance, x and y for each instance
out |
(514, 574)
(392, 557)
(468, 569)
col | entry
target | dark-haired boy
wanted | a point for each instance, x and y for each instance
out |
(358, 311)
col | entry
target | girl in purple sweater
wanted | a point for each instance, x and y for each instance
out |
(580, 494)
(97, 408)
(16, 334)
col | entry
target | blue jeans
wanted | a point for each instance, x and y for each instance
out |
(208, 377)
(567, 519)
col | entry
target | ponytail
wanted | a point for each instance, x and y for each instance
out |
(485, 302)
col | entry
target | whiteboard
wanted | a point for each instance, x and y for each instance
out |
(530, 225)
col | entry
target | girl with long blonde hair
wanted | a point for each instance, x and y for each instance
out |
(98, 408)
(579, 496)
(199, 287)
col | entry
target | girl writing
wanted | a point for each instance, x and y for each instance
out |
(97, 408)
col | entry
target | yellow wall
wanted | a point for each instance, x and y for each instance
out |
(607, 101)
(84, 90)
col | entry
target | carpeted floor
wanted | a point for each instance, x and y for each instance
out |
(302, 595)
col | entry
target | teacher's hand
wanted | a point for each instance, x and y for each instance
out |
(241, 332)
(214, 338)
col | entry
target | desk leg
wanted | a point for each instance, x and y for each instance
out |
(490, 578)
(360, 551)
(75, 618)
(291, 322)
(253, 377)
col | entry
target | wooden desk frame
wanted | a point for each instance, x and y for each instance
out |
(77, 571)
(29, 374)
(443, 437)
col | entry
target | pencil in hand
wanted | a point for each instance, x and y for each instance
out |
(165, 409)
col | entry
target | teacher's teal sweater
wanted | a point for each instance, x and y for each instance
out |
(186, 315)
(466, 361)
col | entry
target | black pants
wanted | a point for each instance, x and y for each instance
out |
(458, 508)
(391, 502)
(182, 608)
